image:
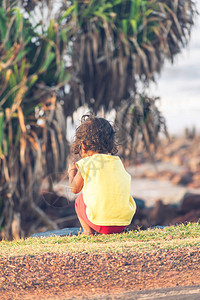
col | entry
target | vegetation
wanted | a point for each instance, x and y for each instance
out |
(133, 241)
(119, 47)
(101, 54)
(115, 49)
(32, 123)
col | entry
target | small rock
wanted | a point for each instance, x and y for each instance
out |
(161, 214)
(183, 179)
(59, 232)
(140, 203)
(193, 217)
(190, 202)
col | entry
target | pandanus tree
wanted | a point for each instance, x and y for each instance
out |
(32, 123)
(101, 54)
(118, 48)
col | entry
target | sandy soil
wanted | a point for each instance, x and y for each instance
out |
(66, 276)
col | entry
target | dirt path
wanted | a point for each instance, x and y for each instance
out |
(55, 276)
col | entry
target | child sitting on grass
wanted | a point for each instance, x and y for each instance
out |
(105, 204)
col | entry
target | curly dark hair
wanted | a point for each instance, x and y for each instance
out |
(96, 134)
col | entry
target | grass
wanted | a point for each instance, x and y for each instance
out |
(170, 237)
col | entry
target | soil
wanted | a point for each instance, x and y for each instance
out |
(67, 276)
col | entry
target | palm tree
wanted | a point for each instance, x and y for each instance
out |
(32, 123)
(118, 48)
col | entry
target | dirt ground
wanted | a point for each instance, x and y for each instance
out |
(67, 276)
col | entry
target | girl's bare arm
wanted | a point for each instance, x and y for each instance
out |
(75, 179)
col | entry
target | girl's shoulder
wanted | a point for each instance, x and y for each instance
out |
(98, 157)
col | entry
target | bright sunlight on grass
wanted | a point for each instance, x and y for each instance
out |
(170, 237)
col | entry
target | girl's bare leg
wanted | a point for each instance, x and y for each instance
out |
(86, 228)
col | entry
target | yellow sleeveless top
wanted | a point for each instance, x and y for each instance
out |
(106, 190)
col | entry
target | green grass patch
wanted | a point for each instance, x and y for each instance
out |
(170, 237)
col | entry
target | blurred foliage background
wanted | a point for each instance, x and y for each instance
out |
(56, 56)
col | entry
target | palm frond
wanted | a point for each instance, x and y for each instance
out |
(139, 120)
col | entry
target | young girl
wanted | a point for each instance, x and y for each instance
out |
(105, 204)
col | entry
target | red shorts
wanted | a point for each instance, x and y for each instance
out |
(80, 208)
